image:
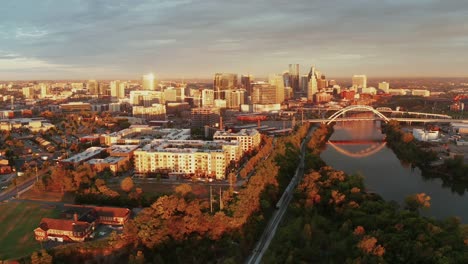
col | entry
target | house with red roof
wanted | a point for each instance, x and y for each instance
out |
(79, 222)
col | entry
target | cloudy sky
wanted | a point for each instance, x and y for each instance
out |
(100, 39)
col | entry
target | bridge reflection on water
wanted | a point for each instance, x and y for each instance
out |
(365, 136)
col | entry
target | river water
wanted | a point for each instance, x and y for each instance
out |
(358, 149)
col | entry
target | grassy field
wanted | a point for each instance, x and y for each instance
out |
(48, 196)
(17, 222)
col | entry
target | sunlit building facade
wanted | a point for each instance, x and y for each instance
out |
(187, 157)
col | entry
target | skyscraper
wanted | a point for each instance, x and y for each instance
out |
(28, 92)
(304, 82)
(222, 82)
(294, 77)
(312, 87)
(44, 90)
(277, 81)
(207, 97)
(265, 93)
(117, 89)
(93, 87)
(286, 79)
(149, 82)
(246, 83)
(234, 98)
(359, 81)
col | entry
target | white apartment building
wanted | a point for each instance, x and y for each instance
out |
(187, 156)
(248, 139)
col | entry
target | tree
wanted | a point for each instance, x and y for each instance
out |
(232, 181)
(127, 184)
(416, 201)
(183, 189)
(408, 137)
(42, 258)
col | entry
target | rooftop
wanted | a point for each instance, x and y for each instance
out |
(63, 224)
(87, 154)
(122, 148)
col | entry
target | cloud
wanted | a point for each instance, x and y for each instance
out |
(22, 33)
(199, 37)
(13, 62)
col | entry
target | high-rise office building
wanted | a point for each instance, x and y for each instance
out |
(286, 79)
(93, 87)
(204, 116)
(207, 97)
(234, 98)
(312, 87)
(277, 81)
(294, 77)
(117, 89)
(246, 83)
(322, 83)
(222, 82)
(304, 82)
(44, 89)
(149, 82)
(265, 93)
(28, 92)
(384, 86)
(359, 81)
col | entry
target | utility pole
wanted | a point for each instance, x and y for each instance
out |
(37, 178)
(302, 116)
(221, 206)
(211, 199)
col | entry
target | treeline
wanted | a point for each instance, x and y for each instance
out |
(265, 149)
(453, 172)
(332, 219)
(405, 147)
(181, 228)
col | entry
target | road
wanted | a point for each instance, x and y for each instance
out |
(282, 206)
(8, 194)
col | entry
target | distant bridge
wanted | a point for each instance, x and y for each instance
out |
(379, 109)
(337, 116)
(399, 119)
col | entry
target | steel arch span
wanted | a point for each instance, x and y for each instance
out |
(337, 114)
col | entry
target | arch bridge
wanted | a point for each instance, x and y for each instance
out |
(352, 108)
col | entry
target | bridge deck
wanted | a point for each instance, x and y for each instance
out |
(409, 120)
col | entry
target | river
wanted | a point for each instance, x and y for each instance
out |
(355, 151)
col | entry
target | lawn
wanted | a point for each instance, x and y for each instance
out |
(48, 196)
(17, 222)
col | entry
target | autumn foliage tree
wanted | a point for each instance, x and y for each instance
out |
(179, 217)
(127, 184)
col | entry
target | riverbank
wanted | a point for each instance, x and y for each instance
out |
(453, 172)
(334, 219)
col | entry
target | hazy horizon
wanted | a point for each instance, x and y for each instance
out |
(193, 39)
(259, 78)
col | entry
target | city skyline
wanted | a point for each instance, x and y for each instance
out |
(195, 39)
